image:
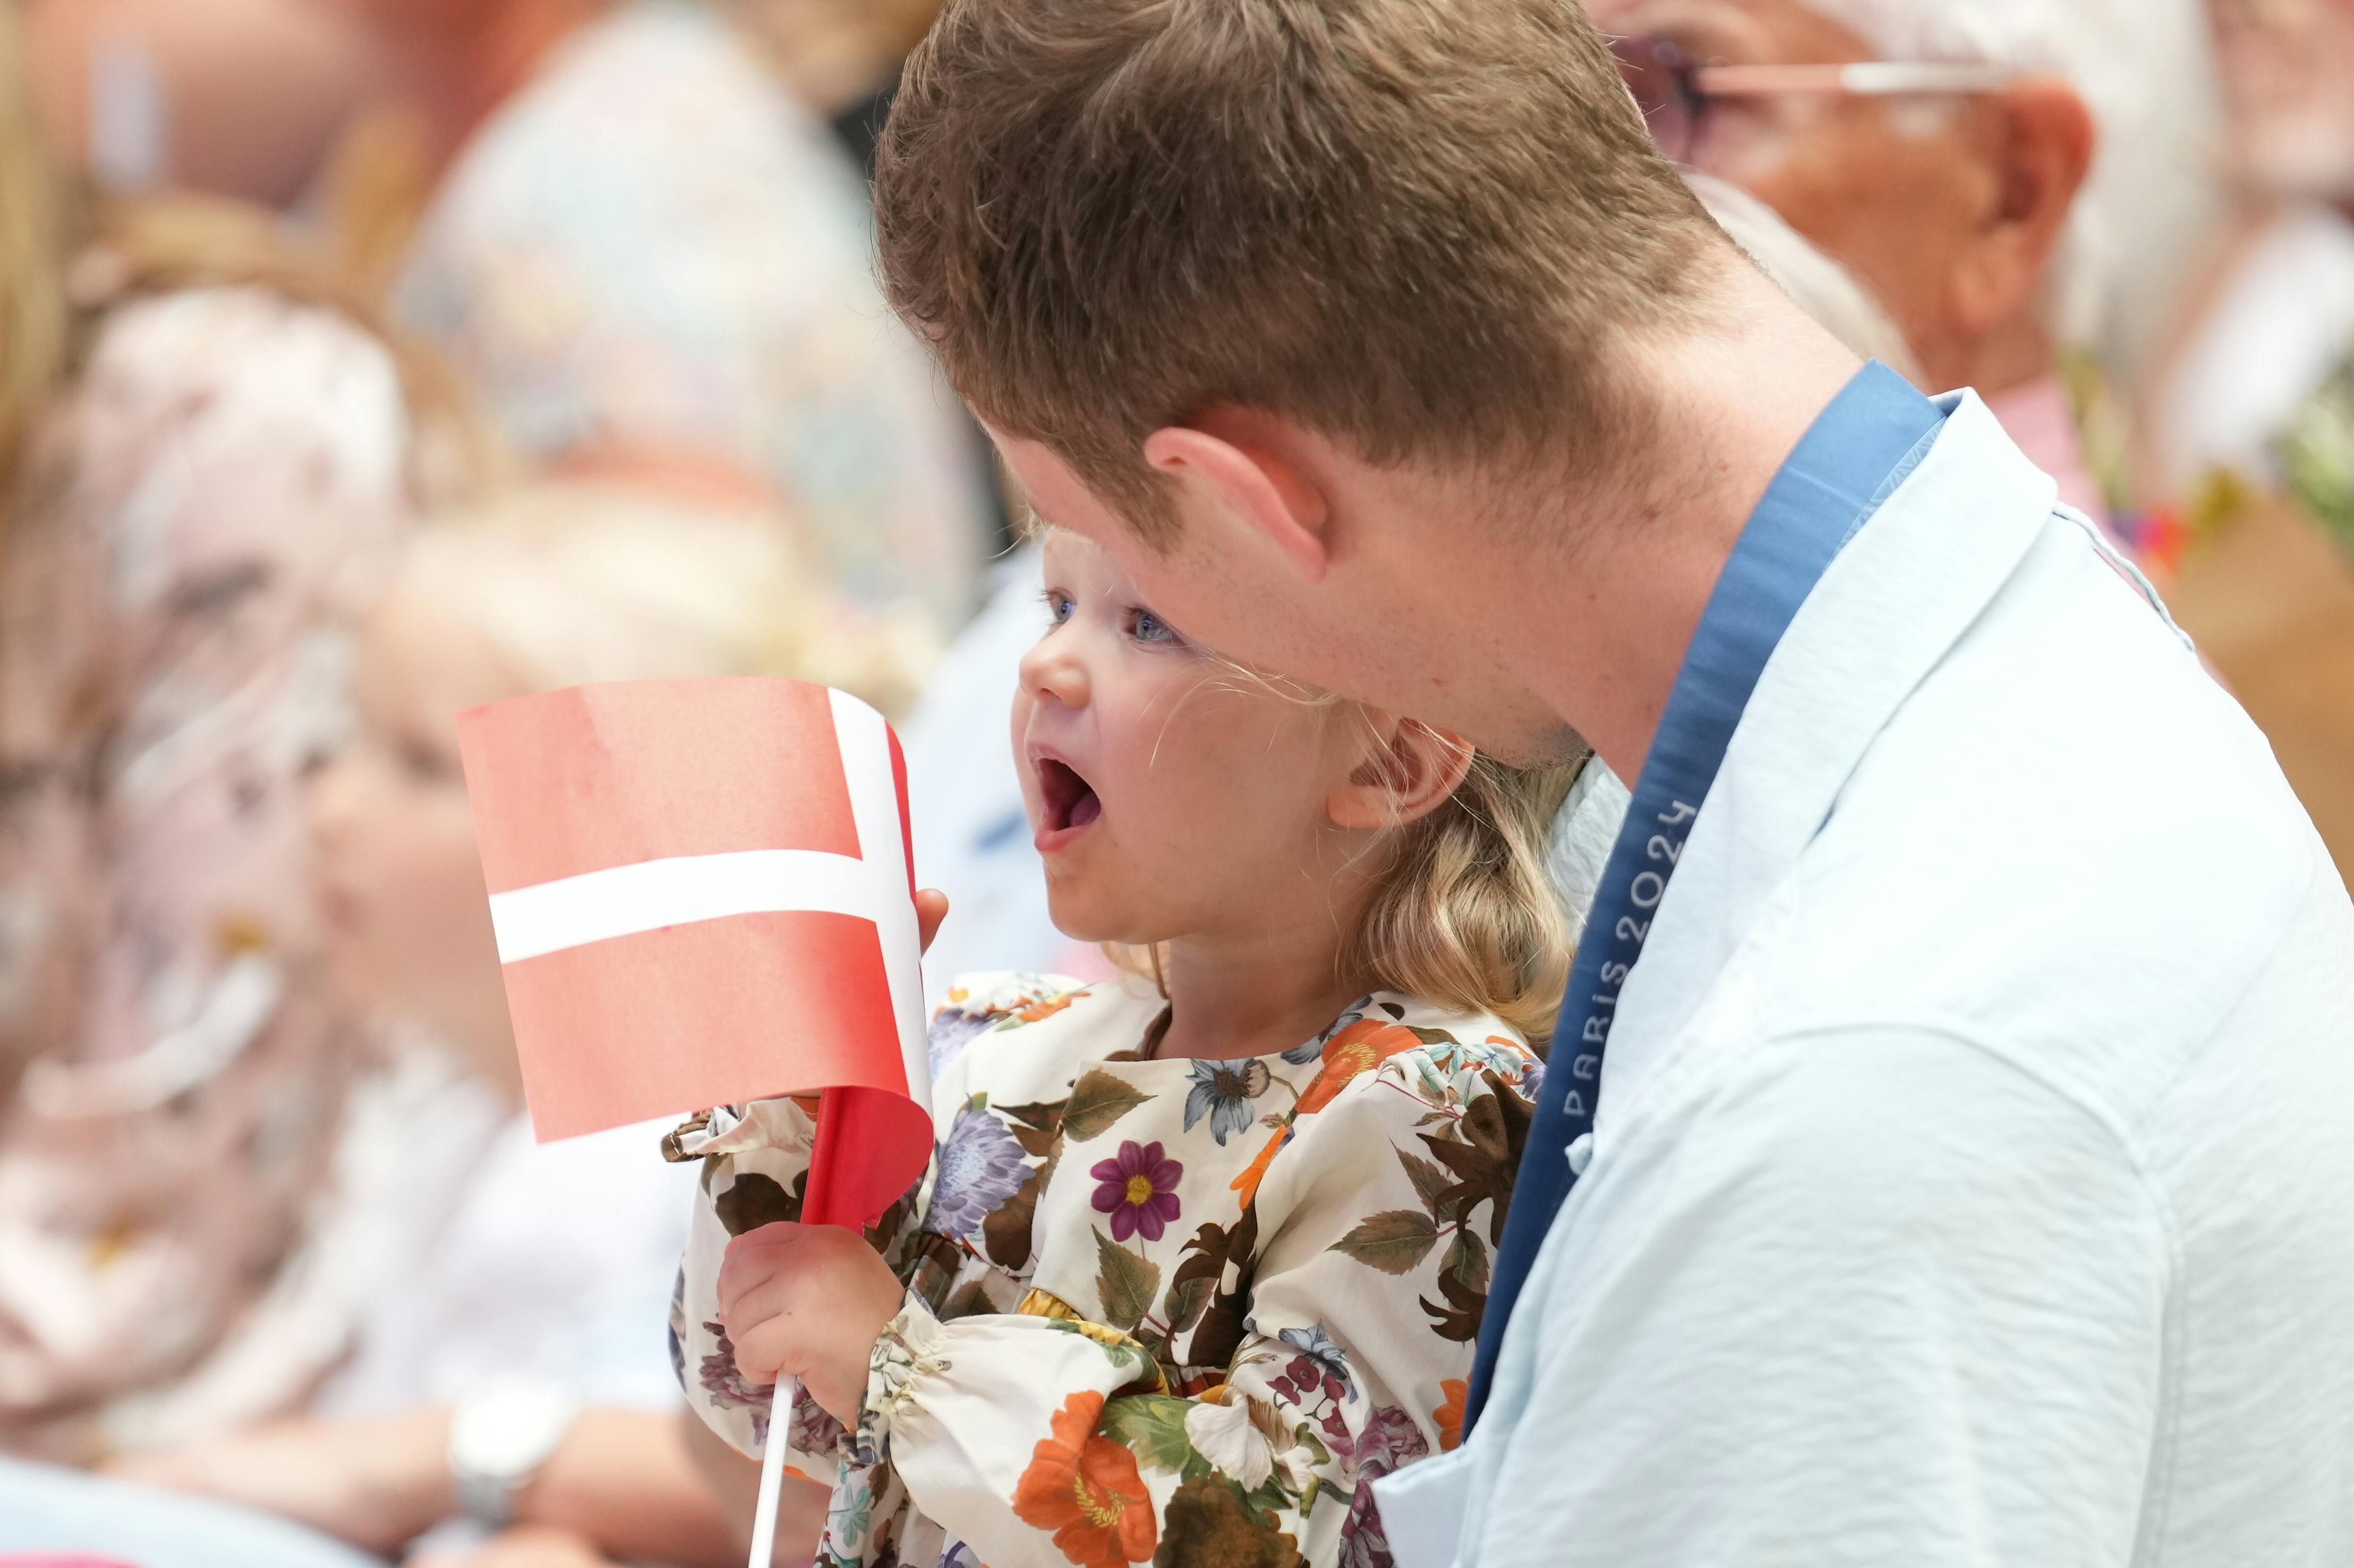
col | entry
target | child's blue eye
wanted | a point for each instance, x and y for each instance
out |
(1149, 627)
(1059, 606)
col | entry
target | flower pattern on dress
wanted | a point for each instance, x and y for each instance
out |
(1390, 1438)
(1448, 1416)
(726, 1385)
(1086, 1490)
(1224, 1091)
(1362, 1046)
(1319, 1364)
(1191, 1347)
(981, 1166)
(812, 1429)
(1138, 1189)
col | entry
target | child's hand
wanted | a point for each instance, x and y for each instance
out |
(807, 1300)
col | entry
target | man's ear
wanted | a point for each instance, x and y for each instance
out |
(1411, 771)
(2040, 139)
(1250, 483)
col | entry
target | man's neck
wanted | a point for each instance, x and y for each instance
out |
(455, 73)
(1602, 624)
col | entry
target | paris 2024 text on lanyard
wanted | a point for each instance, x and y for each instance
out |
(1862, 447)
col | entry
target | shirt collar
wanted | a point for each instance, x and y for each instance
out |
(1919, 570)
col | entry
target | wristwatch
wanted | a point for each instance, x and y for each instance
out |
(499, 1436)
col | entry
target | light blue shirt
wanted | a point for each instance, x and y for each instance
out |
(1969, 1183)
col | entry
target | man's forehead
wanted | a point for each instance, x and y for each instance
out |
(1052, 493)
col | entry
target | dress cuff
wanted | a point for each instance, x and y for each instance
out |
(911, 1349)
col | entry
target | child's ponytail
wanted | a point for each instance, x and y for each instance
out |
(1467, 916)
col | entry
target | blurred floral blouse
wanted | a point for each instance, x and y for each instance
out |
(653, 250)
(1174, 1310)
(192, 523)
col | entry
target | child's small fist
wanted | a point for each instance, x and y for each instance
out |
(807, 1301)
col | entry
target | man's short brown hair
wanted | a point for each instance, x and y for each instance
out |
(1418, 227)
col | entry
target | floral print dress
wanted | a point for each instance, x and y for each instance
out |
(1178, 1311)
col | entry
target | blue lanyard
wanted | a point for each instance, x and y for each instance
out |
(1853, 457)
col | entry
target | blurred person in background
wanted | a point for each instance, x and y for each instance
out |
(649, 259)
(208, 451)
(840, 58)
(2249, 421)
(511, 1373)
(2017, 181)
(240, 98)
(2258, 393)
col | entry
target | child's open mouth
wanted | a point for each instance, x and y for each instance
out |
(1070, 801)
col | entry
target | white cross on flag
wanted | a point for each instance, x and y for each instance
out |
(702, 895)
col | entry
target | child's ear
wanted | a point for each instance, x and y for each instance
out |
(1411, 770)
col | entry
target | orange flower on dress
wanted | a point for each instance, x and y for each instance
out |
(1045, 1009)
(1362, 1046)
(1449, 1415)
(1089, 1492)
(1248, 1182)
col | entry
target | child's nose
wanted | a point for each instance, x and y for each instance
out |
(1052, 669)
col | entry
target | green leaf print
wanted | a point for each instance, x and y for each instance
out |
(1430, 1183)
(1466, 1261)
(1098, 1100)
(1188, 1296)
(1393, 1241)
(1125, 1283)
(1153, 1427)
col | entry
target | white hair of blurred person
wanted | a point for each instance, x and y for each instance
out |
(1820, 286)
(2145, 68)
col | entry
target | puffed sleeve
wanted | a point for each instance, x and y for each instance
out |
(1041, 1437)
(756, 1163)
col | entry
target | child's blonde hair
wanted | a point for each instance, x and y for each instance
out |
(1466, 915)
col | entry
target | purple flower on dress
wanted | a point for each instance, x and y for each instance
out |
(1390, 1440)
(1364, 1543)
(727, 1386)
(813, 1428)
(1139, 1190)
(980, 1167)
(952, 1028)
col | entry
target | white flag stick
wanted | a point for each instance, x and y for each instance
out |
(772, 1474)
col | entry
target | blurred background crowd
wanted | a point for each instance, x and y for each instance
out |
(364, 360)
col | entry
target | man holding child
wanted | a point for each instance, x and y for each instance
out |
(1941, 1156)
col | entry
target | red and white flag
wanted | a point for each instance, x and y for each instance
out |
(702, 894)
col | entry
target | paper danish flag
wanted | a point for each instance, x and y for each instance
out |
(702, 894)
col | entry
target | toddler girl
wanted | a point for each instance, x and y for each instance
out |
(1197, 1256)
